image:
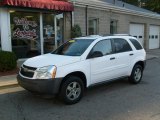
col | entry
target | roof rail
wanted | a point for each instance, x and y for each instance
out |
(94, 36)
(121, 35)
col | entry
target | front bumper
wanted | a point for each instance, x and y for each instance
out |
(43, 86)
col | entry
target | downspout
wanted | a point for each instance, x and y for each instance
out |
(72, 20)
(114, 2)
(86, 20)
(72, 17)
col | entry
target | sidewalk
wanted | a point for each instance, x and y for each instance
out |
(153, 54)
(7, 81)
(150, 56)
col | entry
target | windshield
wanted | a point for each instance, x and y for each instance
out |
(73, 47)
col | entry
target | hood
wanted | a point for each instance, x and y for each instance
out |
(51, 59)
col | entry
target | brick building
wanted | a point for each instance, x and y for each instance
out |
(114, 16)
(33, 27)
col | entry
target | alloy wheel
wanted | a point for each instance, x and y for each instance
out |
(73, 90)
(137, 74)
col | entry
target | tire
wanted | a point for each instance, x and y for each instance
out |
(72, 90)
(136, 75)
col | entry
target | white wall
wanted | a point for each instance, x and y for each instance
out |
(5, 29)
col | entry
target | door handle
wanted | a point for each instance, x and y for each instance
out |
(112, 58)
(131, 54)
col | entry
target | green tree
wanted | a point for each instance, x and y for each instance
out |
(133, 2)
(76, 31)
(153, 5)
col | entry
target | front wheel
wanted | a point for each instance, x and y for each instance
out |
(136, 75)
(72, 90)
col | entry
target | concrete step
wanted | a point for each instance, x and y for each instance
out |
(8, 81)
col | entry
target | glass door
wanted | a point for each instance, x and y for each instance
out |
(53, 30)
(60, 29)
(48, 32)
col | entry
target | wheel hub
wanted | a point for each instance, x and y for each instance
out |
(137, 74)
(73, 90)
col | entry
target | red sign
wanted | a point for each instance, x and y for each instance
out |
(26, 29)
(30, 34)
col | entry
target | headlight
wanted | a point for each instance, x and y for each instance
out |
(46, 72)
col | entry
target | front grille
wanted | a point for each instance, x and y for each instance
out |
(30, 68)
(27, 71)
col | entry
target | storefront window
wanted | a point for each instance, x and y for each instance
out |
(93, 26)
(60, 28)
(49, 31)
(0, 43)
(0, 40)
(113, 26)
(25, 32)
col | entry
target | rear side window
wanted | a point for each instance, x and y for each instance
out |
(136, 44)
(121, 45)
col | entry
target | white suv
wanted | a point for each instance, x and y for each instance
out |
(81, 63)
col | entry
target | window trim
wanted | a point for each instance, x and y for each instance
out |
(114, 20)
(97, 21)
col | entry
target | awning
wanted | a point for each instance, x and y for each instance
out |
(59, 5)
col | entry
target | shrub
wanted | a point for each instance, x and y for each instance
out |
(8, 61)
(76, 31)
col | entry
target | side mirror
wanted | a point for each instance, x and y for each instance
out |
(96, 54)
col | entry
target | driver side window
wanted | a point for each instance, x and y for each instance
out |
(104, 46)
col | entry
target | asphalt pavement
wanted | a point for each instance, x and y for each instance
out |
(116, 100)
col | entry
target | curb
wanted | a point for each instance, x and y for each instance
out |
(8, 81)
(8, 86)
(152, 57)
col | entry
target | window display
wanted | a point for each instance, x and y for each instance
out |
(60, 28)
(25, 33)
(0, 43)
(49, 31)
(0, 40)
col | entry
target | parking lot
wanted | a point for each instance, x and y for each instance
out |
(116, 100)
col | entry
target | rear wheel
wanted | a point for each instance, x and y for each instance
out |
(136, 75)
(71, 90)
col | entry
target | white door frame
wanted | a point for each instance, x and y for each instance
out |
(5, 29)
(55, 30)
(41, 33)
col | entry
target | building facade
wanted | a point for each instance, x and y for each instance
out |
(102, 18)
(31, 28)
